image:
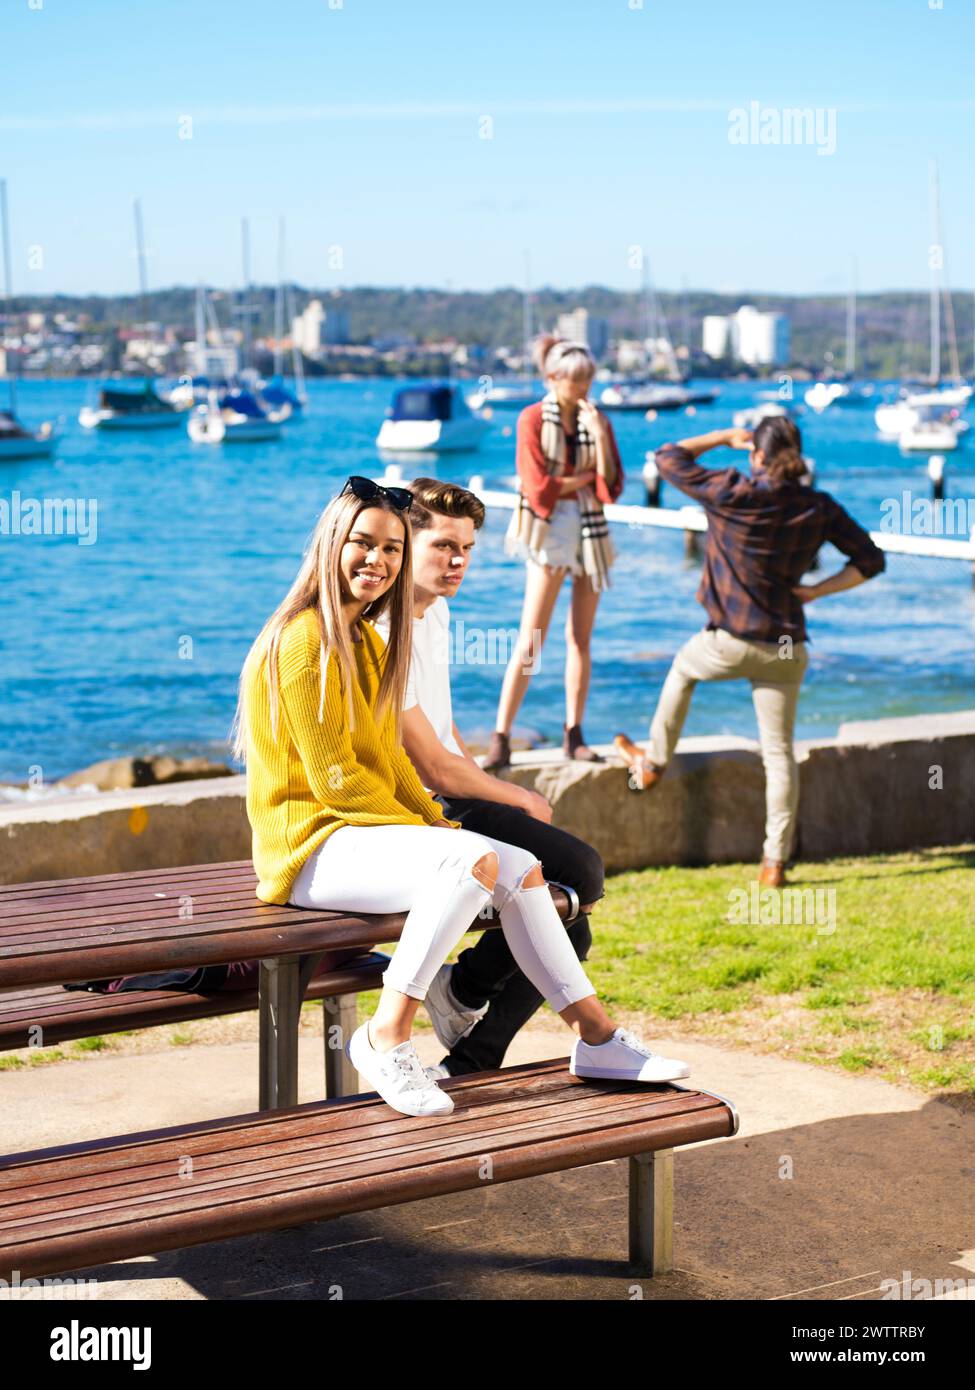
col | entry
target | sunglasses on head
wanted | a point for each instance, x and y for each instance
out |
(367, 491)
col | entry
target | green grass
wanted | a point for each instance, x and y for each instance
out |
(889, 991)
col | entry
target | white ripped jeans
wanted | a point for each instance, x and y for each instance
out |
(426, 870)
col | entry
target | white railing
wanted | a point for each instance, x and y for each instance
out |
(693, 518)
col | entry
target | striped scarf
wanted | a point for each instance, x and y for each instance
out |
(528, 530)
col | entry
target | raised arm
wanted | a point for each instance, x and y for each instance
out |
(677, 464)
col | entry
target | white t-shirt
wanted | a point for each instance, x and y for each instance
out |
(428, 683)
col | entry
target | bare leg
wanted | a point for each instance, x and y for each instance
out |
(542, 587)
(578, 659)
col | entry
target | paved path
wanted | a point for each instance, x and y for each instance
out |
(882, 1181)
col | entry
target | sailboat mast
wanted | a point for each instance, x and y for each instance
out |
(140, 251)
(936, 254)
(851, 324)
(201, 333)
(526, 314)
(12, 375)
(279, 301)
(245, 308)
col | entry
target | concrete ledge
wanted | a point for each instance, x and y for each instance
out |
(880, 786)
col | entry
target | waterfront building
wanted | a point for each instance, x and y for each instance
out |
(582, 327)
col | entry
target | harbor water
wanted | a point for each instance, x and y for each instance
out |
(132, 643)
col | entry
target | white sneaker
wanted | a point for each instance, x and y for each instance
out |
(398, 1076)
(624, 1058)
(451, 1020)
(438, 1072)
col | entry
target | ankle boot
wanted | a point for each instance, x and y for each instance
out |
(498, 754)
(574, 746)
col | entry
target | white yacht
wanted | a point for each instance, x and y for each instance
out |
(512, 396)
(752, 415)
(430, 417)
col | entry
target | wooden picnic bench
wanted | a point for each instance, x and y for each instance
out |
(66, 930)
(72, 1207)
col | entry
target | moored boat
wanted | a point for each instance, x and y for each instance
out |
(430, 417)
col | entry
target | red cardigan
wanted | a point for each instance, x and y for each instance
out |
(540, 487)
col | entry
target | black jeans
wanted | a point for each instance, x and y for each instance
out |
(487, 971)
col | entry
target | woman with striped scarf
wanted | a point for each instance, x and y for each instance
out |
(568, 468)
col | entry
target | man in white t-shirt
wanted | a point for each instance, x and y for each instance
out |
(478, 1005)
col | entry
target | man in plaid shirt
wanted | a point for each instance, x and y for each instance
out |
(764, 532)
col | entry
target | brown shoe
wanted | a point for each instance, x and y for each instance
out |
(574, 746)
(643, 774)
(772, 873)
(498, 754)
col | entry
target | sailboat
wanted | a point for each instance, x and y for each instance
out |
(276, 393)
(231, 415)
(17, 441)
(513, 394)
(843, 390)
(648, 394)
(142, 408)
(931, 419)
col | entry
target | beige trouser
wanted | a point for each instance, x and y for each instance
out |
(776, 674)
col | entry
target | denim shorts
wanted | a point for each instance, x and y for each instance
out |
(563, 540)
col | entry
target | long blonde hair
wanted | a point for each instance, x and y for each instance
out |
(318, 586)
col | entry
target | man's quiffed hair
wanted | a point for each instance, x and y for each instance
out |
(444, 499)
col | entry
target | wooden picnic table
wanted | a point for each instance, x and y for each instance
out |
(66, 930)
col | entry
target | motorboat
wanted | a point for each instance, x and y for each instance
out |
(650, 395)
(512, 396)
(18, 442)
(120, 408)
(947, 397)
(234, 417)
(752, 415)
(432, 417)
(895, 417)
(932, 432)
(824, 394)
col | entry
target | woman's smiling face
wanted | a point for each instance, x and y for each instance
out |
(372, 556)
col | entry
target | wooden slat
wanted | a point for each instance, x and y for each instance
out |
(367, 1150)
(104, 957)
(100, 881)
(26, 911)
(67, 1015)
(89, 1203)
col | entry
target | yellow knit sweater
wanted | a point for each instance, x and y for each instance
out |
(319, 776)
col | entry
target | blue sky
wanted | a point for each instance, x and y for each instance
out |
(360, 122)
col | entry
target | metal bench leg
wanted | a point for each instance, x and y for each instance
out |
(652, 1211)
(279, 1006)
(340, 1018)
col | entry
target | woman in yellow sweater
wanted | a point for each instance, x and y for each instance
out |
(341, 820)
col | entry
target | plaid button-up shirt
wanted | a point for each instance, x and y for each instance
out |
(762, 537)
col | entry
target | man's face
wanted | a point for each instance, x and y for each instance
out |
(441, 554)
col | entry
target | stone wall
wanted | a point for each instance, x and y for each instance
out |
(878, 786)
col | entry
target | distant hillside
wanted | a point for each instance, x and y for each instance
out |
(892, 327)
